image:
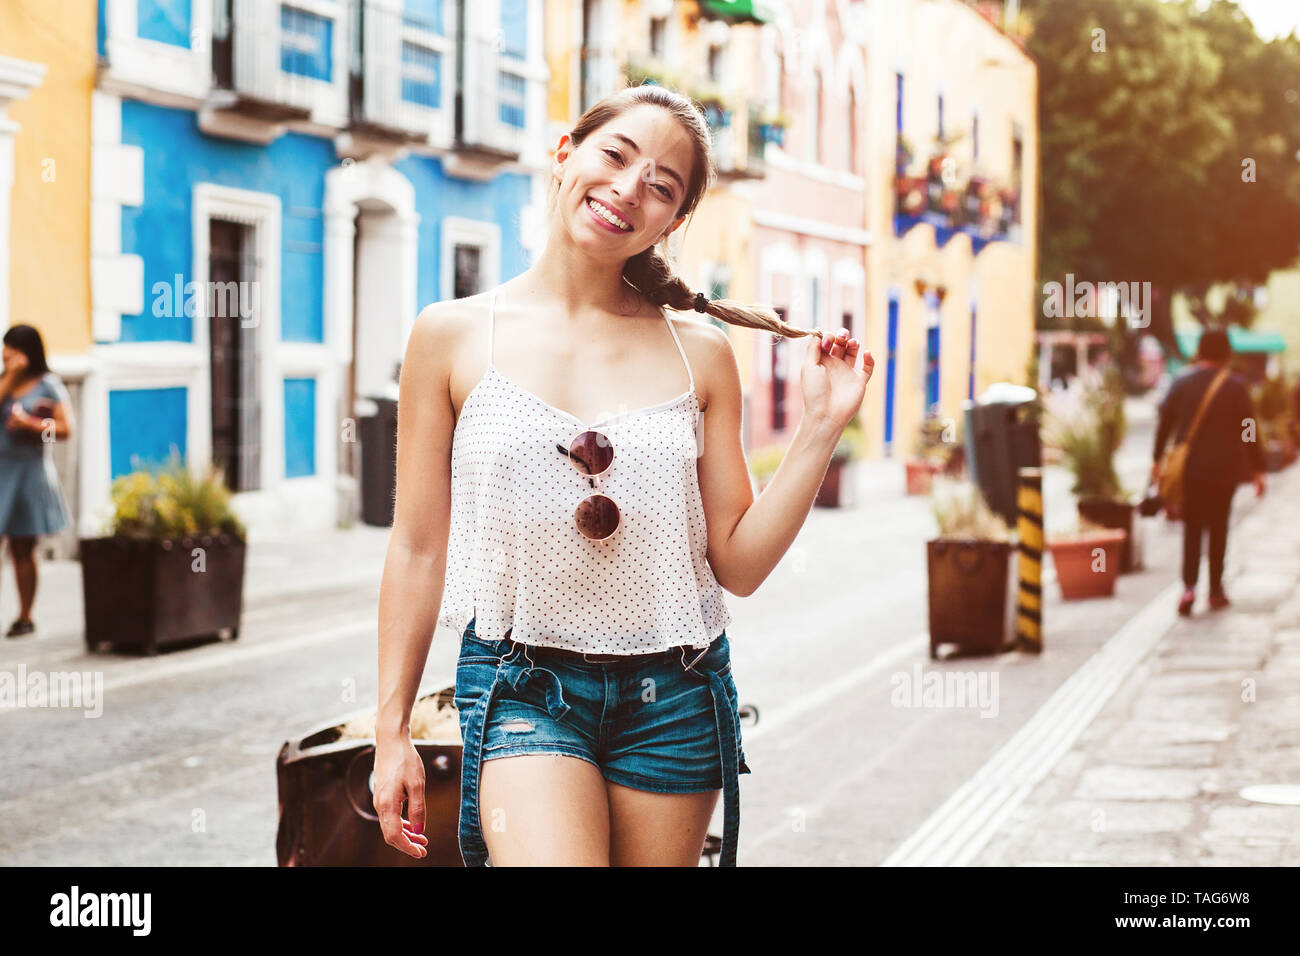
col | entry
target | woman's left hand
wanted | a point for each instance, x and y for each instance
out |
(831, 381)
(19, 420)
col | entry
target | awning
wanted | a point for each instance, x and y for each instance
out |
(738, 11)
(1241, 340)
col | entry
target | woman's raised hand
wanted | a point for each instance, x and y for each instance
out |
(832, 382)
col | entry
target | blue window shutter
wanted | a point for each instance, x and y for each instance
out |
(165, 21)
(306, 43)
(299, 427)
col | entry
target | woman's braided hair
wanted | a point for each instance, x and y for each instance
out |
(649, 271)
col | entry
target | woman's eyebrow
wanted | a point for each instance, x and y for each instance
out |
(681, 182)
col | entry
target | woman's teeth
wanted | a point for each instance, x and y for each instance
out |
(608, 216)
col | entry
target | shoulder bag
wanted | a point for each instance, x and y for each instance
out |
(1174, 461)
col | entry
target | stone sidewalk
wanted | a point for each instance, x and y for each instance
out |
(1157, 777)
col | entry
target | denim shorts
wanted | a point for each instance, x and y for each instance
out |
(650, 722)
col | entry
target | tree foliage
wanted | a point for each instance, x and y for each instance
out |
(1154, 116)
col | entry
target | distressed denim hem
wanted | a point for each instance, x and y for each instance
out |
(638, 782)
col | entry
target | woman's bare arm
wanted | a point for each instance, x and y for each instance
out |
(748, 536)
(410, 592)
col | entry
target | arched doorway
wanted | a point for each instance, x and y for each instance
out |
(371, 243)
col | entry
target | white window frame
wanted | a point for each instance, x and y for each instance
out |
(849, 280)
(482, 119)
(260, 57)
(261, 211)
(477, 232)
(815, 266)
(776, 259)
(437, 122)
(137, 61)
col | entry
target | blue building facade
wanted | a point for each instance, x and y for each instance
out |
(277, 189)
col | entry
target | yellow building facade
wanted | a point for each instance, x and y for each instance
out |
(50, 48)
(947, 82)
(47, 75)
(808, 221)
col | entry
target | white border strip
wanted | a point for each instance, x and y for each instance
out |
(956, 832)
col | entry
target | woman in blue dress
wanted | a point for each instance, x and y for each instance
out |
(35, 412)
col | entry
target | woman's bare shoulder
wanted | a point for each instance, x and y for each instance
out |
(442, 337)
(450, 317)
(702, 342)
(442, 327)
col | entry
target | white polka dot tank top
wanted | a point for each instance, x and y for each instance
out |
(516, 561)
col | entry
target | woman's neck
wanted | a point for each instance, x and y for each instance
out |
(16, 381)
(580, 283)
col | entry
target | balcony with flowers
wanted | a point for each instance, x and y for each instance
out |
(731, 120)
(935, 191)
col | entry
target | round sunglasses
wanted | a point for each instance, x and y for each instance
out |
(591, 453)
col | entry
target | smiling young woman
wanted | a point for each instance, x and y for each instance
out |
(582, 553)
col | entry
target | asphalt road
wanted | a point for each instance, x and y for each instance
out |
(179, 769)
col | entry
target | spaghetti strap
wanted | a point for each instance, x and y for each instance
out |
(492, 310)
(689, 374)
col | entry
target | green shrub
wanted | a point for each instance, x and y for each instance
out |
(171, 503)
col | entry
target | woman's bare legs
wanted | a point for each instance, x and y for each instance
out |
(544, 810)
(23, 550)
(555, 810)
(658, 829)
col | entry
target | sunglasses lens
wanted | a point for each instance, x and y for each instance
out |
(591, 453)
(597, 517)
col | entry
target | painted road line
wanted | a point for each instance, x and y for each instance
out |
(959, 829)
(805, 704)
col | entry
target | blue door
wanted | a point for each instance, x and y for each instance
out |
(970, 388)
(932, 368)
(891, 370)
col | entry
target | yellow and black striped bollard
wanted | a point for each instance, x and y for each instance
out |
(1029, 527)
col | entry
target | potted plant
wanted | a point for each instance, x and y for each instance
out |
(933, 455)
(1008, 197)
(848, 448)
(910, 194)
(713, 102)
(1085, 421)
(1087, 561)
(172, 565)
(718, 117)
(772, 126)
(763, 463)
(969, 568)
(1273, 405)
(649, 71)
(1272, 434)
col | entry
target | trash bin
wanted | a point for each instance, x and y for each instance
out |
(379, 462)
(1000, 440)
